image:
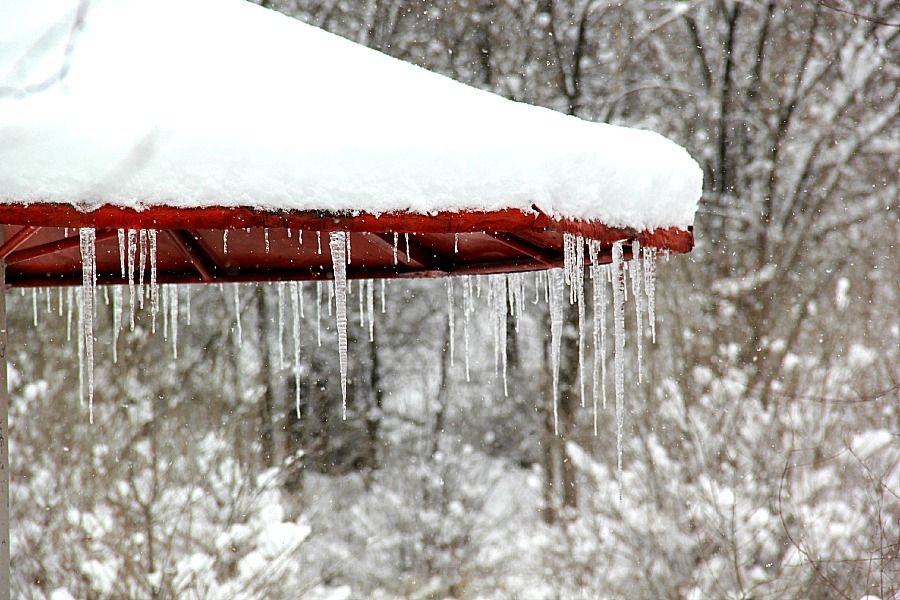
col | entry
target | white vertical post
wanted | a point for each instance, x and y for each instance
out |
(4, 446)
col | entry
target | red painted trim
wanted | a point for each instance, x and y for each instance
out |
(190, 250)
(168, 217)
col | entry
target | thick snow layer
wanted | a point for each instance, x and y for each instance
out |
(220, 102)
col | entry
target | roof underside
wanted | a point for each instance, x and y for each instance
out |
(40, 243)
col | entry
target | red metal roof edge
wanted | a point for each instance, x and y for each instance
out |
(166, 217)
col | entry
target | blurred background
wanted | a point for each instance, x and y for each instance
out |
(762, 449)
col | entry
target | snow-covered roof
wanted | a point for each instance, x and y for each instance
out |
(194, 103)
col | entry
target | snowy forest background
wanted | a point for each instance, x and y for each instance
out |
(762, 454)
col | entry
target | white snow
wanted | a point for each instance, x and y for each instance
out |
(185, 103)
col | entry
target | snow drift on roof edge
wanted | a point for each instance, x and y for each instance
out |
(223, 103)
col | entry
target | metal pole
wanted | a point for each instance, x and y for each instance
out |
(4, 446)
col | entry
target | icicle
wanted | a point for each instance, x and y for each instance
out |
(537, 287)
(47, 298)
(338, 246)
(225, 241)
(319, 313)
(406, 237)
(650, 288)
(455, 243)
(88, 238)
(266, 236)
(105, 296)
(556, 277)
(569, 259)
(383, 299)
(395, 247)
(70, 293)
(319, 242)
(299, 236)
(547, 289)
(330, 289)
(295, 310)
(280, 288)
(637, 277)
(501, 304)
(173, 306)
(142, 263)
(187, 305)
(598, 278)
(618, 277)
(450, 315)
(34, 303)
(117, 320)
(578, 282)
(492, 312)
(80, 335)
(362, 297)
(154, 288)
(61, 302)
(516, 284)
(289, 234)
(132, 249)
(467, 303)
(349, 257)
(370, 306)
(121, 233)
(300, 288)
(237, 315)
(165, 310)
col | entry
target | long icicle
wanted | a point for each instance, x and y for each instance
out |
(173, 320)
(450, 318)
(132, 249)
(117, 320)
(557, 290)
(122, 251)
(578, 283)
(154, 286)
(88, 239)
(142, 264)
(280, 288)
(637, 278)
(618, 281)
(370, 307)
(319, 314)
(338, 246)
(502, 307)
(650, 288)
(295, 313)
(237, 314)
(467, 303)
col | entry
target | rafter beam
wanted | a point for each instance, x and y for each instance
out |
(16, 240)
(511, 240)
(62, 245)
(420, 255)
(189, 249)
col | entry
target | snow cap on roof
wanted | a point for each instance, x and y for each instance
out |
(223, 103)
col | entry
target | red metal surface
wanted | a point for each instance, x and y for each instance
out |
(42, 243)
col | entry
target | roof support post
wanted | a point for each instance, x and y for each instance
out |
(4, 446)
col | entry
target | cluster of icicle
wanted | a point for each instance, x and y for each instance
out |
(506, 294)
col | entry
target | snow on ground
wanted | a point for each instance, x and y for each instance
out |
(220, 102)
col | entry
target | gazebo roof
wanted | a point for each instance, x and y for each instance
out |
(194, 117)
